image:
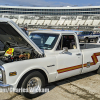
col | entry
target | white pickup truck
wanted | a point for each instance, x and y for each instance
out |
(47, 57)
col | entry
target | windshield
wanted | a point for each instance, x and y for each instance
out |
(43, 40)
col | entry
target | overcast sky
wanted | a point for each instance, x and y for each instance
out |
(50, 2)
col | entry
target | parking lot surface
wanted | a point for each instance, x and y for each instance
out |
(81, 87)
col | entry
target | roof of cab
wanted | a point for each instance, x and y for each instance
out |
(54, 32)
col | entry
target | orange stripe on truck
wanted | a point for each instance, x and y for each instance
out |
(69, 69)
(94, 58)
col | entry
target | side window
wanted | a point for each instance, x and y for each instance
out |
(68, 41)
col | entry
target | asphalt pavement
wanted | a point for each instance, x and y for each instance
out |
(80, 87)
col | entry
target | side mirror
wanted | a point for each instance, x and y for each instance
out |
(65, 49)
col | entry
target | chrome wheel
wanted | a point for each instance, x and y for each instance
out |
(34, 81)
(33, 85)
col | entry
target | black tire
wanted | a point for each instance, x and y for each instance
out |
(98, 71)
(86, 40)
(96, 40)
(24, 84)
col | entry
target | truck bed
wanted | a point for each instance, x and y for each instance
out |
(89, 45)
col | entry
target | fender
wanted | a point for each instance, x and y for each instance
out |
(49, 75)
(27, 70)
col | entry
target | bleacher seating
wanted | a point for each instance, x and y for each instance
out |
(40, 22)
(96, 22)
(60, 22)
(81, 22)
(47, 22)
(20, 21)
(27, 21)
(74, 22)
(53, 22)
(33, 22)
(67, 22)
(88, 22)
(71, 22)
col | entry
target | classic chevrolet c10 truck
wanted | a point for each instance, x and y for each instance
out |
(43, 57)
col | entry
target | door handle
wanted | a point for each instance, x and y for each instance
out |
(79, 54)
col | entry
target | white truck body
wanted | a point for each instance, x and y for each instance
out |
(56, 64)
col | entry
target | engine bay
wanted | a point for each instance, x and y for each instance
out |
(17, 54)
(14, 46)
(12, 51)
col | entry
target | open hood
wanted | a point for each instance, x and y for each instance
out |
(10, 33)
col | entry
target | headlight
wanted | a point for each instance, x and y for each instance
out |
(1, 75)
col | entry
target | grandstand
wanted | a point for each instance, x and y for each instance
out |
(77, 18)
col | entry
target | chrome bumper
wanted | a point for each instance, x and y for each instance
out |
(2, 85)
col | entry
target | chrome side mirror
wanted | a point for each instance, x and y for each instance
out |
(65, 49)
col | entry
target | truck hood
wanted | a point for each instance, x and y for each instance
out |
(10, 33)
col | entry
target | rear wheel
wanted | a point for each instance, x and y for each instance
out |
(33, 82)
(89, 41)
(86, 40)
(96, 40)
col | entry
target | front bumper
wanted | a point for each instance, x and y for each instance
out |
(2, 85)
(3, 82)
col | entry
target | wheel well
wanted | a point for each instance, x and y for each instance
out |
(25, 75)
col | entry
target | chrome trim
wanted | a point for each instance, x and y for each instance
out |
(3, 74)
(35, 84)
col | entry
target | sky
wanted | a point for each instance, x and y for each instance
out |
(50, 2)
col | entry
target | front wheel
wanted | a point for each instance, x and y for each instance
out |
(32, 83)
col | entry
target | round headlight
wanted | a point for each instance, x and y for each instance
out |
(0, 75)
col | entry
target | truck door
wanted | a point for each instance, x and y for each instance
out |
(91, 35)
(68, 63)
(91, 59)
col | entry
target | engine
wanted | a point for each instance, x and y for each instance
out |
(17, 54)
